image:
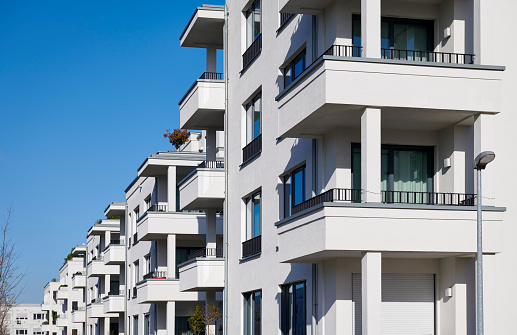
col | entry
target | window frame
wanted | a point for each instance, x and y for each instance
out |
(250, 19)
(250, 109)
(250, 215)
(287, 308)
(289, 185)
(249, 322)
(291, 66)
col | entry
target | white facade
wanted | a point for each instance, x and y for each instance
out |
(26, 319)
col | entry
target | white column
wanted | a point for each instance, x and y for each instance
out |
(211, 237)
(210, 300)
(106, 326)
(371, 293)
(107, 279)
(171, 256)
(107, 238)
(211, 59)
(371, 154)
(211, 146)
(371, 28)
(171, 314)
(171, 188)
(484, 134)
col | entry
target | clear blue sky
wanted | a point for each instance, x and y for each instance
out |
(87, 89)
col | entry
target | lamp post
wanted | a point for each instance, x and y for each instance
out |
(480, 163)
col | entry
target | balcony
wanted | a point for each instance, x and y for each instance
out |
(252, 247)
(113, 303)
(115, 253)
(154, 226)
(78, 280)
(205, 28)
(204, 270)
(412, 94)
(97, 268)
(303, 6)
(335, 224)
(160, 290)
(62, 293)
(96, 310)
(203, 105)
(79, 315)
(203, 188)
(62, 320)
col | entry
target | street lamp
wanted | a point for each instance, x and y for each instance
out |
(480, 163)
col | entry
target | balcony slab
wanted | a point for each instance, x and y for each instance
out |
(158, 290)
(203, 105)
(79, 316)
(203, 189)
(96, 310)
(332, 230)
(202, 274)
(97, 268)
(113, 304)
(114, 254)
(78, 281)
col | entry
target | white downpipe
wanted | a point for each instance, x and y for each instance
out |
(226, 151)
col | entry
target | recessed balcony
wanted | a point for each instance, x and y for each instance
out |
(96, 310)
(114, 253)
(204, 270)
(62, 320)
(203, 188)
(79, 315)
(424, 95)
(97, 268)
(113, 303)
(203, 105)
(163, 289)
(78, 280)
(156, 225)
(62, 293)
(335, 224)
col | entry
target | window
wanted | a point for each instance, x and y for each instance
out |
(21, 331)
(147, 259)
(253, 216)
(148, 202)
(253, 118)
(293, 310)
(294, 190)
(135, 325)
(253, 23)
(136, 269)
(252, 313)
(294, 68)
(147, 324)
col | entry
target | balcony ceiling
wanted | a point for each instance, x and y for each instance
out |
(316, 7)
(205, 28)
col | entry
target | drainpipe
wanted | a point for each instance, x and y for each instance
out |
(126, 286)
(314, 330)
(225, 212)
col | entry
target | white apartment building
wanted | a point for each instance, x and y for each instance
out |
(26, 319)
(105, 255)
(50, 306)
(352, 130)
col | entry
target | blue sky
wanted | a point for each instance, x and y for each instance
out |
(87, 89)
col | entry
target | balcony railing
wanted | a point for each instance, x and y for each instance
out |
(252, 149)
(211, 165)
(284, 17)
(114, 292)
(335, 194)
(205, 252)
(156, 275)
(96, 300)
(252, 51)
(428, 198)
(206, 76)
(157, 208)
(252, 246)
(344, 51)
(428, 56)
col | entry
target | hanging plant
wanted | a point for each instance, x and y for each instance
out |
(177, 138)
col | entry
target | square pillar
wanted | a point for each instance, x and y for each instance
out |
(210, 300)
(371, 28)
(107, 280)
(211, 146)
(371, 154)
(171, 188)
(484, 134)
(371, 293)
(106, 326)
(211, 59)
(171, 317)
(171, 256)
(211, 236)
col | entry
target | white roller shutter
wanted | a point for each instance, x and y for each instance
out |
(408, 304)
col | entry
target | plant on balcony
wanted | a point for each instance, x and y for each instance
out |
(54, 317)
(202, 317)
(196, 323)
(177, 138)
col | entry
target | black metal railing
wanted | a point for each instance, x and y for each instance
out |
(211, 165)
(335, 194)
(115, 242)
(284, 17)
(252, 51)
(428, 198)
(206, 252)
(252, 246)
(114, 292)
(428, 56)
(252, 148)
(156, 275)
(135, 292)
(157, 208)
(96, 300)
(344, 51)
(205, 76)
(135, 238)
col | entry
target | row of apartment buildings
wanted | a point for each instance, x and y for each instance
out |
(344, 174)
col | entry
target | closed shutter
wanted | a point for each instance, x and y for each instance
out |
(408, 304)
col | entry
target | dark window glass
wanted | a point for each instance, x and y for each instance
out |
(294, 68)
(252, 313)
(294, 190)
(293, 318)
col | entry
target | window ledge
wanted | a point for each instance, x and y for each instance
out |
(250, 257)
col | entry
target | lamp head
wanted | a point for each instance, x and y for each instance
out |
(483, 159)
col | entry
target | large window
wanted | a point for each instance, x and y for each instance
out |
(293, 309)
(254, 118)
(252, 313)
(253, 22)
(403, 169)
(400, 34)
(147, 324)
(135, 325)
(294, 190)
(253, 216)
(136, 268)
(294, 68)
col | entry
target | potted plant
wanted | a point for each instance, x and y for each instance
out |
(177, 137)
